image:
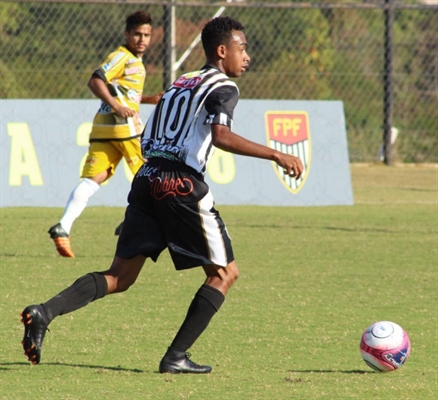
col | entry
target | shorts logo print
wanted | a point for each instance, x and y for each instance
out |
(171, 187)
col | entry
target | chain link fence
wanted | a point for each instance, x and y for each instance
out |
(325, 50)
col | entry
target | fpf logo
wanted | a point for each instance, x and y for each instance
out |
(289, 132)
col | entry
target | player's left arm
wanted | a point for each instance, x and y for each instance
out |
(220, 106)
(151, 99)
(224, 139)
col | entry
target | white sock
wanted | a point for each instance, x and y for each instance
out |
(77, 202)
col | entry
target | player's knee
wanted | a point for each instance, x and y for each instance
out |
(117, 284)
(123, 284)
(234, 276)
(231, 276)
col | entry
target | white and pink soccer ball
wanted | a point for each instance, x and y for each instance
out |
(385, 346)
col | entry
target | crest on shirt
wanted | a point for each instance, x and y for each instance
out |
(289, 132)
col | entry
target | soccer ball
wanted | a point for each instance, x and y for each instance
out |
(385, 346)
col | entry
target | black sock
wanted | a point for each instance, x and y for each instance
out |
(86, 289)
(205, 304)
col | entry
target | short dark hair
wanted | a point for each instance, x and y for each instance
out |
(218, 31)
(136, 19)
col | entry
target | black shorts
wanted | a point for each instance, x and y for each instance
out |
(171, 206)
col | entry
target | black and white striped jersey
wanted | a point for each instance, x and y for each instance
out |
(179, 128)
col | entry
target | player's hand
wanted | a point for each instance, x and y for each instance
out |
(157, 97)
(152, 99)
(124, 112)
(292, 165)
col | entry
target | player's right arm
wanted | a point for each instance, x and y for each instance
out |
(99, 88)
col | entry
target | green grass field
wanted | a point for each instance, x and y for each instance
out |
(312, 279)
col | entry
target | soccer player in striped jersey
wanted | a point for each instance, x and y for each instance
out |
(117, 126)
(170, 205)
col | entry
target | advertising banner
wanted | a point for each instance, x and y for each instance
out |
(44, 144)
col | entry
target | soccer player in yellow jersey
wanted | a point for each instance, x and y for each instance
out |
(117, 126)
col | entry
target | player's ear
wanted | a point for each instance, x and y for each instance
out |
(221, 50)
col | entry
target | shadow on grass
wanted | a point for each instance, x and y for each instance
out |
(3, 366)
(330, 371)
(329, 228)
(106, 256)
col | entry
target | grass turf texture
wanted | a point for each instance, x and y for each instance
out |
(312, 279)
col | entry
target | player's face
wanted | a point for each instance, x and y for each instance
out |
(236, 58)
(138, 39)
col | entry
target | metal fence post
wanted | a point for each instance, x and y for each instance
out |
(387, 82)
(169, 44)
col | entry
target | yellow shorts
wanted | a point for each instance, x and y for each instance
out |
(105, 156)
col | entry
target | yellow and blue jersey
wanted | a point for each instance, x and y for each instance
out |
(124, 74)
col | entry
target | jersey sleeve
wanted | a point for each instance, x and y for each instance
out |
(220, 105)
(112, 67)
